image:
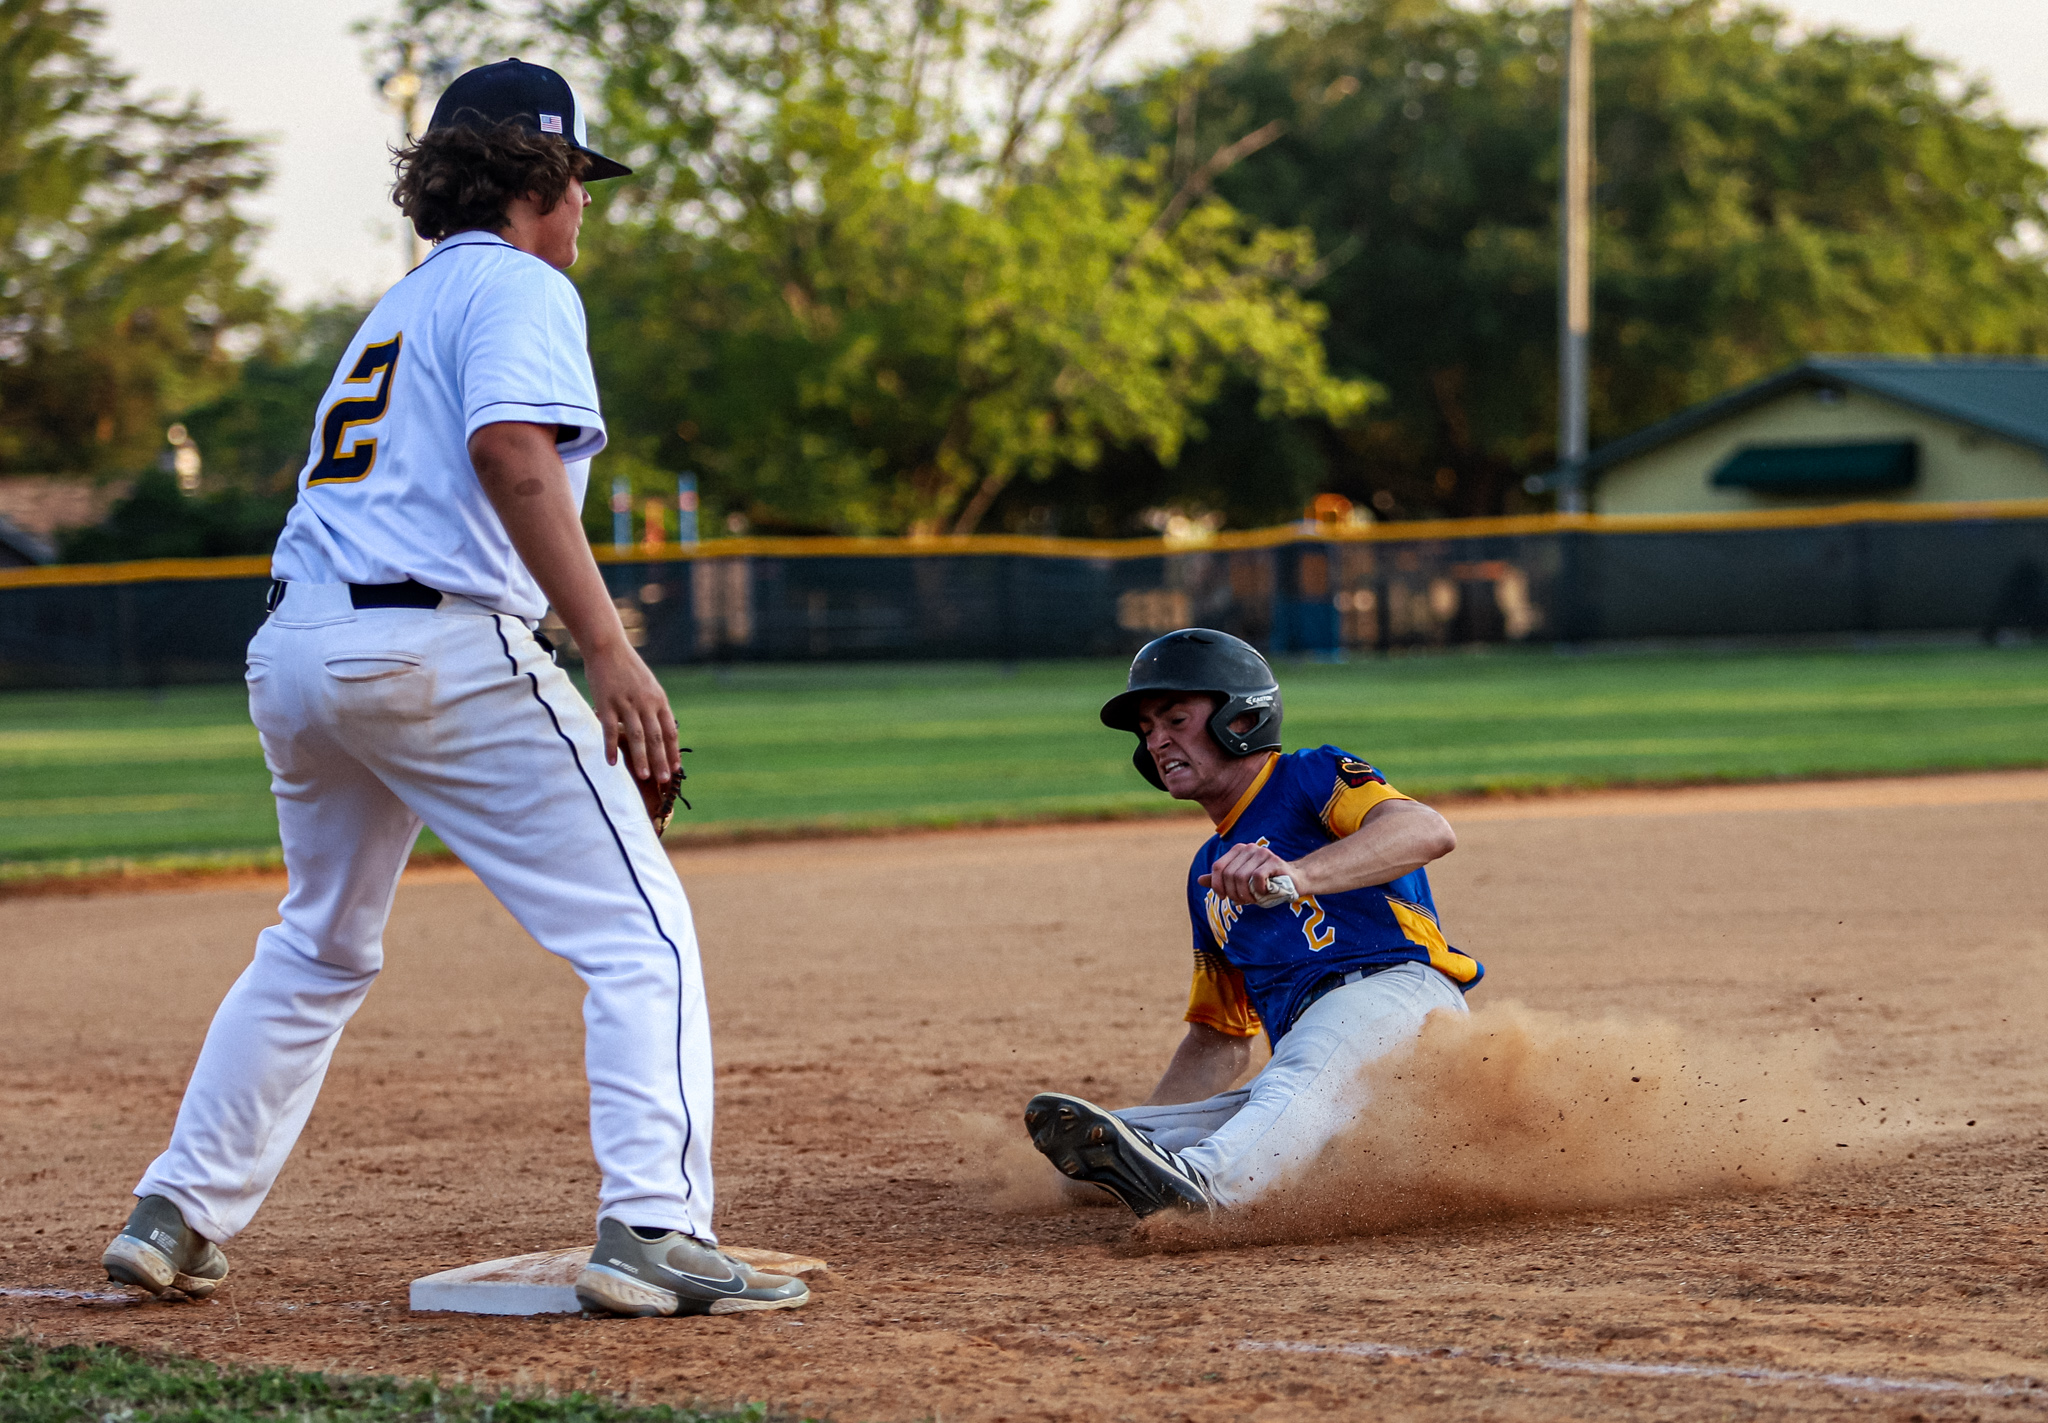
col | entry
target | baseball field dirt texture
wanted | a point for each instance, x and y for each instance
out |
(1751, 1118)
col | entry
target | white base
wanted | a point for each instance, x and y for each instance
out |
(545, 1282)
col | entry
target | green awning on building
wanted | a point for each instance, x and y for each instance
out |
(1870, 466)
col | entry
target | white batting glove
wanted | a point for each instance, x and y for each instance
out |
(1279, 890)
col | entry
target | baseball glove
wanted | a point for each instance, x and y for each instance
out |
(660, 798)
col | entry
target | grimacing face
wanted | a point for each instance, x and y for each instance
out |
(1175, 729)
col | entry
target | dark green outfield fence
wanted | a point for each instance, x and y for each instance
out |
(1862, 569)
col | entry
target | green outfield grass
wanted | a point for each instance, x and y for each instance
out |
(77, 1384)
(99, 776)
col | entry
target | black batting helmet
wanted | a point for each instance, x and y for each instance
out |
(1199, 660)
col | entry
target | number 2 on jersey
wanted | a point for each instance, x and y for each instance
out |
(1319, 935)
(344, 416)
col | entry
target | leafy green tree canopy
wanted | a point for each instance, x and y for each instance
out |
(868, 272)
(158, 520)
(123, 285)
(254, 437)
(1762, 192)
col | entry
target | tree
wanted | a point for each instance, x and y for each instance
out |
(156, 519)
(868, 272)
(125, 292)
(1761, 193)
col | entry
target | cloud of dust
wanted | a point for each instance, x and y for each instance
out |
(1509, 1111)
(998, 1158)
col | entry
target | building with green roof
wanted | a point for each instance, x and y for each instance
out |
(1841, 429)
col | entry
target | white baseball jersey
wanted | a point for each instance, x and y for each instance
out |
(377, 720)
(480, 332)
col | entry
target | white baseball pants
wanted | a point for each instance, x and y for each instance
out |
(374, 722)
(1248, 1140)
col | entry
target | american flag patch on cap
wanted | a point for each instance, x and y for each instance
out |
(550, 123)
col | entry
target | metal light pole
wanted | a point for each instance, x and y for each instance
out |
(401, 90)
(1575, 259)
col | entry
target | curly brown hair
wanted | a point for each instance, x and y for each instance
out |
(459, 178)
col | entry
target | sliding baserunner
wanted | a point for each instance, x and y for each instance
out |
(1313, 922)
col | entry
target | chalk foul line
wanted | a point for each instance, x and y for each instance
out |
(88, 1296)
(1618, 1368)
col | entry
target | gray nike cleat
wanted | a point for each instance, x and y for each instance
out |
(676, 1274)
(157, 1251)
(1089, 1144)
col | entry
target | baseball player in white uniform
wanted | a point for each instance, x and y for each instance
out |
(398, 682)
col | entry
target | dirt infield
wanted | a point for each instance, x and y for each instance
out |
(883, 1008)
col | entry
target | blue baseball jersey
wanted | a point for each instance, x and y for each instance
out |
(1255, 967)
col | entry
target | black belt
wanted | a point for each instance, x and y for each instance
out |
(410, 594)
(1331, 982)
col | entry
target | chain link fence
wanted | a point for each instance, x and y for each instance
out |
(1289, 592)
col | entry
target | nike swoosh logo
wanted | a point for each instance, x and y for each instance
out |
(737, 1283)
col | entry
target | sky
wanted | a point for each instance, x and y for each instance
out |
(292, 73)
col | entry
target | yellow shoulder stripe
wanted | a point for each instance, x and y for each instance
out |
(1421, 928)
(1348, 805)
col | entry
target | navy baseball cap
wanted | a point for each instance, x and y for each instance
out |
(531, 94)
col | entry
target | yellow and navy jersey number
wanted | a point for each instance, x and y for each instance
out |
(345, 455)
(1254, 967)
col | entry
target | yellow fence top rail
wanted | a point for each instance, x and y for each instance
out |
(157, 570)
(147, 570)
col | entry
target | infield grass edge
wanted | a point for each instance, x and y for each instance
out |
(62, 1383)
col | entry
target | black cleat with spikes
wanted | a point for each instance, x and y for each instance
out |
(1089, 1144)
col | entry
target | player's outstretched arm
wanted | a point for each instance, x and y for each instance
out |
(523, 477)
(1205, 1063)
(1395, 837)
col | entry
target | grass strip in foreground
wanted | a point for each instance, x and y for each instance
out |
(79, 1382)
(95, 778)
